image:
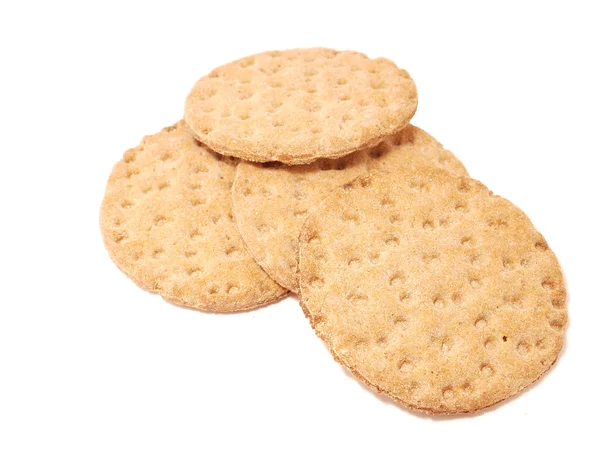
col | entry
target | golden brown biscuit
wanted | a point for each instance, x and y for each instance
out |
(167, 223)
(271, 201)
(295, 106)
(432, 290)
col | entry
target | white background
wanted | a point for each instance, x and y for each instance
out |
(88, 360)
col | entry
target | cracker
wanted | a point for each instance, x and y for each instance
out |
(167, 223)
(432, 290)
(295, 106)
(271, 201)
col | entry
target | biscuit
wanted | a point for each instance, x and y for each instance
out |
(296, 106)
(432, 290)
(271, 201)
(166, 222)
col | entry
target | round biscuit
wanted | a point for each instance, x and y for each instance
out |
(167, 223)
(432, 290)
(296, 106)
(271, 201)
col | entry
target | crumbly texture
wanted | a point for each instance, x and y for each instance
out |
(295, 106)
(167, 223)
(271, 201)
(432, 290)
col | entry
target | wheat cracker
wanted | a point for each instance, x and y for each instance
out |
(295, 106)
(271, 201)
(166, 222)
(432, 290)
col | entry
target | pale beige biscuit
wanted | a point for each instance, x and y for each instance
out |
(295, 106)
(167, 223)
(271, 201)
(432, 290)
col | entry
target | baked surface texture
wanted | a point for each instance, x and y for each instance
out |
(296, 106)
(167, 223)
(272, 201)
(432, 290)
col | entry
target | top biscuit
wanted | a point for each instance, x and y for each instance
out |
(295, 106)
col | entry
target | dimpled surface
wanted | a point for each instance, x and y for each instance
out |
(270, 201)
(167, 223)
(432, 290)
(295, 106)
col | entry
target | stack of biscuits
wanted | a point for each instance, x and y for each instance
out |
(299, 171)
